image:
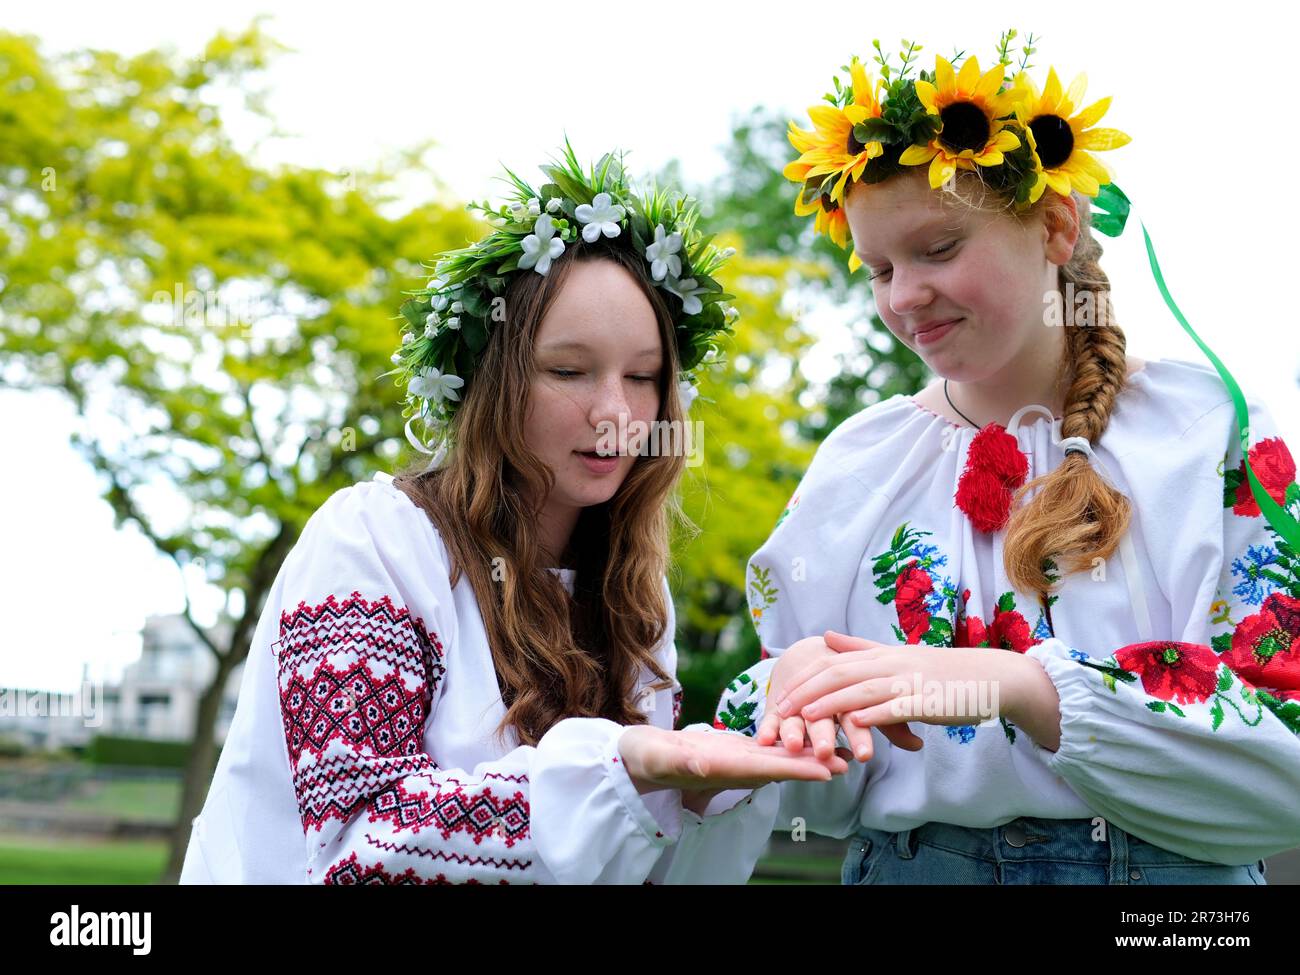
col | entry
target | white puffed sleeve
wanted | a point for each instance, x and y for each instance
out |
(1194, 744)
(799, 585)
(363, 615)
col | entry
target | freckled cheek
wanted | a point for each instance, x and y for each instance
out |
(555, 423)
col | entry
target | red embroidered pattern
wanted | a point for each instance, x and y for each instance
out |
(357, 679)
(479, 814)
(350, 872)
(376, 715)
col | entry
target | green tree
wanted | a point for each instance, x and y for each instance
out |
(218, 326)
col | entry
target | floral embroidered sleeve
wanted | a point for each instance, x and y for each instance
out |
(1194, 744)
(799, 584)
(362, 659)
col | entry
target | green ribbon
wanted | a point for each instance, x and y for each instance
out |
(1114, 207)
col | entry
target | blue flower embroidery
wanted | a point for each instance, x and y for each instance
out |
(937, 599)
(1253, 589)
(926, 553)
(962, 733)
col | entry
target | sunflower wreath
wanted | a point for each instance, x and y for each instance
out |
(1023, 140)
(446, 324)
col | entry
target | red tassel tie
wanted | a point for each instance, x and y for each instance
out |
(995, 468)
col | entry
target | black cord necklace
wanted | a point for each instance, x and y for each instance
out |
(959, 412)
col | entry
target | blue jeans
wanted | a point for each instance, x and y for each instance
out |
(1027, 851)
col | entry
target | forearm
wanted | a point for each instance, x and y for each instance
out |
(1036, 706)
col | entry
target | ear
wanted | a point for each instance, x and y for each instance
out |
(1060, 228)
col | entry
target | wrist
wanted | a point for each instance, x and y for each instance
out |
(1035, 707)
(697, 802)
(629, 756)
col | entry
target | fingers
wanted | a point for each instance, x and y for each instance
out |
(769, 729)
(859, 739)
(900, 735)
(827, 676)
(822, 734)
(859, 695)
(841, 642)
(792, 733)
(894, 711)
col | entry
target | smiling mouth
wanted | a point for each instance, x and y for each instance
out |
(951, 321)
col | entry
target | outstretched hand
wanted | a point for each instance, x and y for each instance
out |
(700, 761)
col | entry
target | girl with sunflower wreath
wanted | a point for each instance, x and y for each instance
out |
(466, 674)
(1050, 604)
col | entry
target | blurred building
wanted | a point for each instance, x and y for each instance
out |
(157, 697)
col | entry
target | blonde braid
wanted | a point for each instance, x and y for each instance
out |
(1075, 515)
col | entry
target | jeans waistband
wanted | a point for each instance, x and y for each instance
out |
(1027, 838)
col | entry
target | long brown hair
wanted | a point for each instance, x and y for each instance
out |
(1075, 517)
(555, 656)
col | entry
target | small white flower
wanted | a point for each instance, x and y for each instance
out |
(662, 254)
(440, 302)
(517, 210)
(535, 207)
(728, 253)
(453, 322)
(600, 216)
(730, 314)
(554, 204)
(433, 385)
(407, 338)
(687, 391)
(397, 358)
(430, 329)
(687, 290)
(541, 246)
(457, 307)
(431, 319)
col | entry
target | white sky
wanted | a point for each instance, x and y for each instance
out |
(1205, 93)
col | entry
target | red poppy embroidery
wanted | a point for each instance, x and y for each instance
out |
(913, 585)
(1181, 672)
(1274, 466)
(995, 468)
(1010, 631)
(1266, 646)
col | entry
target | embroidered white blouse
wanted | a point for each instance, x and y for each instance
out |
(362, 747)
(1177, 663)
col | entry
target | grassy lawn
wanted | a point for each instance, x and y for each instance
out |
(25, 859)
(131, 799)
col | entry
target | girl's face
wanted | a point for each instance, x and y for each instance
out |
(598, 356)
(931, 264)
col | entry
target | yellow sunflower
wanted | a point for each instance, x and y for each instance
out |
(831, 147)
(1063, 139)
(969, 105)
(832, 221)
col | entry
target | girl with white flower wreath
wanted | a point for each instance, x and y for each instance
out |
(466, 674)
(1022, 706)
